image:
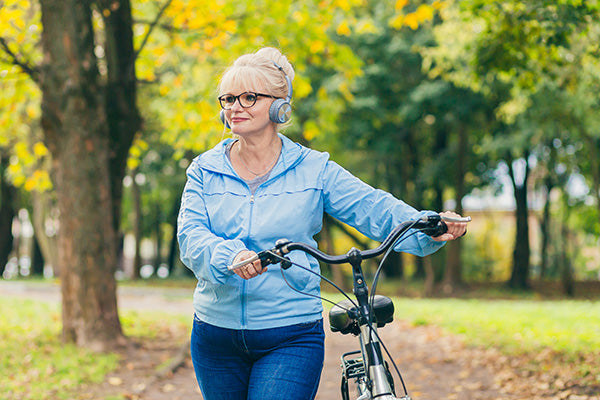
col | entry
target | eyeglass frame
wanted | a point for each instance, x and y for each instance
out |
(237, 98)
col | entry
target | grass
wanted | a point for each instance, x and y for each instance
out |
(568, 331)
(515, 326)
(36, 364)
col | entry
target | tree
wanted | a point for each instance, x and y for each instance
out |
(89, 119)
(7, 213)
(507, 50)
(88, 72)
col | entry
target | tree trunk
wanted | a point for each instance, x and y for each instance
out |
(173, 243)
(37, 258)
(76, 132)
(545, 229)
(42, 203)
(519, 278)
(567, 279)
(159, 238)
(7, 214)
(137, 225)
(121, 108)
(453, 273)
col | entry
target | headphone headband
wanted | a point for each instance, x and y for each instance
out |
(287, 79)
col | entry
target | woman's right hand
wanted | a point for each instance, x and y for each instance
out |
(249, 270)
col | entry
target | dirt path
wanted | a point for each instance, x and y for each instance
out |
(434, 364)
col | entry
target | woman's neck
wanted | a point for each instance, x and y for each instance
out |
(255, 156)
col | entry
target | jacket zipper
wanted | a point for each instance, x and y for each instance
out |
(245, 282)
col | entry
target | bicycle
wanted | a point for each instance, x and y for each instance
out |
(363, 315)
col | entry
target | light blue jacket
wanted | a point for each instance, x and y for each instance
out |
(219, 217)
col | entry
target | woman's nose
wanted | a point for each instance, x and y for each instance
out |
(236, 106)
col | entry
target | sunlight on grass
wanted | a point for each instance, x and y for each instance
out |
(35, 364)
(571, 327)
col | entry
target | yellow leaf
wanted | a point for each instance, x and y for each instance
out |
(397, 22)
(316, 46)
(302, 87)
(21, 151)
(343, 29)
(29, 184)
(411, 21)
(343, 4)
(163, 90)
(132, 163)
(367, 27)
(424, 13)
(229, 26)
(32, 111)
(400, 4)
(39, 149)
(310, 130)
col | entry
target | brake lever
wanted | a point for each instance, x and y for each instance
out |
(267, 257)
(440, 226)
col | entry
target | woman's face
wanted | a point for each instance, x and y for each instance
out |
(246, 121)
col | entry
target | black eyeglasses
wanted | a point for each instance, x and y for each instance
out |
(246, 99)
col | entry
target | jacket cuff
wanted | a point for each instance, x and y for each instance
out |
(223, 256)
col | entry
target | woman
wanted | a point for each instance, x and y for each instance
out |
(253, 336)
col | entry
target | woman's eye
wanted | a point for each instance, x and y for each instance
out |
(230, 99)
(250, 98)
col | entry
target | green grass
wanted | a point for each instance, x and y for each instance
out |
(35, 364)
(514, 326)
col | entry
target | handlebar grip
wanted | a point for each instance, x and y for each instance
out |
(243, 263)
(438, 230)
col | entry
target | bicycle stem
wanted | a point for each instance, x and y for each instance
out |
(370, 347)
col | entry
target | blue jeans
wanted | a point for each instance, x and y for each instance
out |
(266, 364)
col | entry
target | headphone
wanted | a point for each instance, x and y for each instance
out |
(280, 110)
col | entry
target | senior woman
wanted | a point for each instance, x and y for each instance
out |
(253, 337)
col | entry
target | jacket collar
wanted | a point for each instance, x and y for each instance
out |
(216, 160)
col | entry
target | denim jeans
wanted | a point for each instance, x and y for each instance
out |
(266, 364)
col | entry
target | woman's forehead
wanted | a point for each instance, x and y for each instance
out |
(241, 81)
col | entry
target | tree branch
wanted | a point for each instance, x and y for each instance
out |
(152, 26)
(29, 69)
(362, 243)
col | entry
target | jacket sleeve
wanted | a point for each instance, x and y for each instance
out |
(373, 212)
(205, 253)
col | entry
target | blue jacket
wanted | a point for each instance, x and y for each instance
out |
(219, 217)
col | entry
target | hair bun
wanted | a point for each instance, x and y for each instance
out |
(273, 54)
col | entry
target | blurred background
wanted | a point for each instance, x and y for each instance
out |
(488, 108)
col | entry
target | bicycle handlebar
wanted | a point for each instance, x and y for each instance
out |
(432, 225)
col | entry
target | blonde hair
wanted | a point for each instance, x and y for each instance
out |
(255, 70)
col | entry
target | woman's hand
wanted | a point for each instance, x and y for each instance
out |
(455, 229)
(249, 270)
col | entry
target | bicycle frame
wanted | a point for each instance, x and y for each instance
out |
(370, 372)
(374, 381)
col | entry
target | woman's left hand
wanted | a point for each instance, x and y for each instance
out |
(455, 229)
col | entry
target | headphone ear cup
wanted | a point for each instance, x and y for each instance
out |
(224, 120)
(280, 111)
